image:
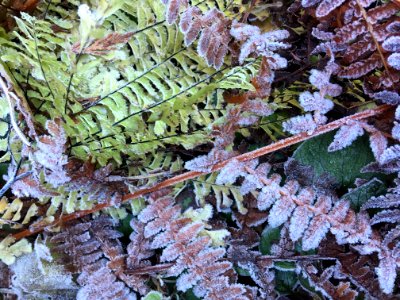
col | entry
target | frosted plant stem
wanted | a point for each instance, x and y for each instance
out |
(193, 174)
(13, 179)
(12, 113)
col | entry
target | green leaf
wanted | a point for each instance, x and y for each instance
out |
(189, 295)
(242, 272)
(343, 165)
(285, 265)
(3, 171)
(307, 286)
(298, 246)
(153, 295)
(10, 250)
(285, 281)
(159, 127)
(268, 237)
(363, 193)
(125, 227)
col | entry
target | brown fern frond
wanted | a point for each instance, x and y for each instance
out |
(104, 45)
(214, 33)
(342, 291)
(358, 268)
(75, 247)
(197, 264)
(365, 29)
(5, 282)
(93, 249)
(94, 183)
(311, 214)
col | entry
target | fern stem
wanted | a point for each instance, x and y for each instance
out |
(193, 132)
(40, 64)
(149, 269)
(70, 80)
(13, 179)
(170, 98)
(378, 46)
(12, 113)
(193, 174)
(162, 267)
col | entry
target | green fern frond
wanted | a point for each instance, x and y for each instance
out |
(225, 195)
(151, 87)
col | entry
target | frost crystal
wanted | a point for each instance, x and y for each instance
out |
(396, 131)
(317, 230)
(232, 170)
(378, 143)
(300, 124)
(299, 222)
(254, 181)
(390, 154)
(387, 274)
(394, 60)
(392, 44)
(262, 44)
(314, 102)
(281, 211)
(258, 107)
(387, 97)
(346, 135)
(320, 79)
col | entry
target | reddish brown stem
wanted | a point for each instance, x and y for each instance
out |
(149, 269)
(193, 174)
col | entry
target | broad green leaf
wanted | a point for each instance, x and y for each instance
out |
(307, 286)
(343, 165)
(363, 193)
(269, 236)
(242, 272)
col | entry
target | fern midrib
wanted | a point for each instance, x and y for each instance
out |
(378, 46)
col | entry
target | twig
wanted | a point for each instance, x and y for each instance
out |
(295, 258)
(138, 177)
(12, 113)
(13, 179)
(193, 174)
(162, 267)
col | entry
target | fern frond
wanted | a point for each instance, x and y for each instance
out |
(366, 38)
(197, 264)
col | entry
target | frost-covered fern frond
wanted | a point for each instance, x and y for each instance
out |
(93, 250)
(389, 205)
(316, 104)
(365, 35)
(196, 263)
(312, 213)
(190, 251)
